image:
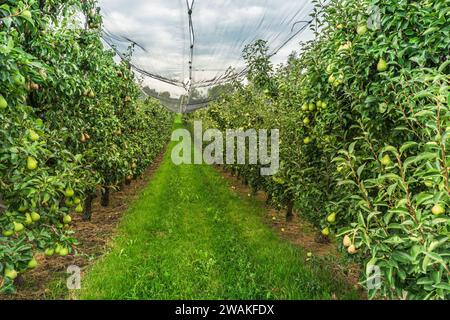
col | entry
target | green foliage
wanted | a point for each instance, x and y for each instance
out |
(259, 65)
(70, 119)
(364, 119)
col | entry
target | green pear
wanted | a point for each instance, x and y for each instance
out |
(331, 79)
(332, 217)
(18, 227)
(58, 248)
(11, 273)
(49, 252)
(63, 252)
(79, 208)
(31, 163)
(35, 216)
(33, 135)
(351, 249)
(386, 160)
(26, 13)
(361, 30)
(347, 242)
(382, 65)
(8, 233)
(437, 210)
(67, 219)
(68, 193)
(32, 263)
(3, 102)
(28, 219)
(429, 183)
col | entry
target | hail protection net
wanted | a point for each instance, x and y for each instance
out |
(183, 49)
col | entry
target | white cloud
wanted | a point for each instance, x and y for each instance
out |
(222, 28)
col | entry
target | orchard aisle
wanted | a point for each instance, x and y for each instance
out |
(189, 236)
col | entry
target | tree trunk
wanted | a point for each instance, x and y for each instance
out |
(289, 213)
(269, 198)
(87, 214)
(105, 197)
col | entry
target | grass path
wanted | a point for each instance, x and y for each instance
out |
(188, 236)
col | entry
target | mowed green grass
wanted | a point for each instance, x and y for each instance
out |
(189, 236)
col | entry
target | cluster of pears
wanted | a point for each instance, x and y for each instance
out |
(71, 201)
(331, 218)
(314, 106)
(348, 243)
(32, 217)
(33, 263)
(58, 249)
(310, 108)
(92, 19)
(32, 163)
(346, 46)
(89, 93)
(17, 228)
(32, 86)
(84, 137)
(336, 80)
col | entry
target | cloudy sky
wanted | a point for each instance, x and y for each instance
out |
(222, 29)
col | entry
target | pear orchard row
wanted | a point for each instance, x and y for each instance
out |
(363, 114)
(72, 122)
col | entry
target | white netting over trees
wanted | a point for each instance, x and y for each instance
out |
(183, 48)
